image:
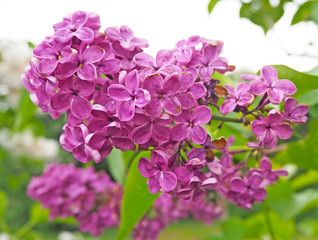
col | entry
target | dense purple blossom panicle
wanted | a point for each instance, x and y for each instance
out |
(113, 94)
(88, 196)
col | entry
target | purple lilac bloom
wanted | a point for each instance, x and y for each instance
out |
(189, 125)
(269, 128)
(241, 97)
(247, 191)
(162, 91)
(88, 196)
(294, 113)
(157, 171)
(269, 83)
(74, 95)
(129, 95)
(74, 27)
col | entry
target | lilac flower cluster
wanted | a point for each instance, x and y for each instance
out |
(90, 197)
(116, 95)
(95, 202)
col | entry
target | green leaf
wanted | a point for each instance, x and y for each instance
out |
(308, 11)
(303, 81)
(303, 153)
(137, 199)
(306, 179)
(25, 111)
(233, 229)
(310, 98)
(116, 165)
(256, 226)
(3, 203)
(211, 5)
(304, 201)
(279, 198)
(38, 214)
(261, 13)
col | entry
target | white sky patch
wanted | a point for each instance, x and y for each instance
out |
(165, 22)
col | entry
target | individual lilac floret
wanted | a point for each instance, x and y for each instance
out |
(294, 113)
(82, 63)
(52, 53)
(163, 94)
(157, 171)
(241, 97)
(67, 29)
(126, 38)
(269, 83)
(185, 48)
(189, 125)
(247, 191)
(73, 95)
(265, 170)
(129, 96)
(148, 128)
(269, 128)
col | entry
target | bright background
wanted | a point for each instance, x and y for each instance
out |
(165, 22)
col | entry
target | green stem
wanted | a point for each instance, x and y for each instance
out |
(226, 119)
(268, 221)
(132, 158)
(24, 229)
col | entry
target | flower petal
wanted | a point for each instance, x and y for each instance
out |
(81, 107)
(141, 134)
(286, 86)
(201, 115)
(269, 75)
(126, 110)
(283, 131)
(198, 134)
(259, 87)
(119, 92)
(179, 131)
(146, 168)
(167, 181)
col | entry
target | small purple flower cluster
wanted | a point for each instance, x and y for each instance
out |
(95, 202)
(169, 208)
(90, 197)
(116, 95)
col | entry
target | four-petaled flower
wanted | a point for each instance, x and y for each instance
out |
(158, 172)
(269, 83)
(269, 128)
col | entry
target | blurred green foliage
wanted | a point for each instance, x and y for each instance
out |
(266, 13)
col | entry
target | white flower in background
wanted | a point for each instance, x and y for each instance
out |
(26, 144)
(69, 236)
(4, 236)
(13, 59)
